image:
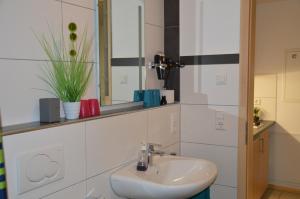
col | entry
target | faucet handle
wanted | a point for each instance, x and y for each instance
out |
(150, 146)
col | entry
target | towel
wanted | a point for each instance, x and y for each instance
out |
(3, 194)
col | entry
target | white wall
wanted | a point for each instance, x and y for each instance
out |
(278, 30)
(211, 27)
(96, 150)
(154, 38)
(21, 57)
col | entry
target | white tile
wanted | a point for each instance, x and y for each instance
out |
(114, 140)
(85, 19)
(20, 20)
(25, 85)
(265, 85)
(154, 41)
(20, 103)
(91, 4)
(154, 12)
(210, 84)
(125, 80)
(225, 159)
(125, 28)
(75, 192)
(209, 27)
(268, 108)
(74, 156)
(223, 192)
(99, 186)
(173, 149)
(199, 124)
(164, 125)
(154, 44)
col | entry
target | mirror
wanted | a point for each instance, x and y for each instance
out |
(121, 50)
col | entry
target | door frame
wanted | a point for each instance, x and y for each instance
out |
(245, 138)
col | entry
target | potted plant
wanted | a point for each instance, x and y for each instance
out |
(69, 70)
(256, 116)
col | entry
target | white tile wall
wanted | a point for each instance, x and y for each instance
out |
(168, 132)
(224, 157)
(21, 77)
(76, 191)
(71, 137)
(223, 192)
(210, 84)
(265, 85)
(154, 13)
(207, 132)
(107, 137)
(125, 34)
(20, 69)
(18, 26)
(268, 108)
(93, 150)
(154, 38)
(85, 21)
(84, 3)
(99, 186)
(211, 92)
(209, 27)
(125, 81)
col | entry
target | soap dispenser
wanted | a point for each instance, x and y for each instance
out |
(142, 164)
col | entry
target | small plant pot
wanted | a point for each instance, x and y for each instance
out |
(256, 120)
(72, 110)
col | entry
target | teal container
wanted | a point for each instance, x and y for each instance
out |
(138, 95)
(202, 195)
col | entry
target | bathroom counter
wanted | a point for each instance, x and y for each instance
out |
(34, 126)
(265, 124)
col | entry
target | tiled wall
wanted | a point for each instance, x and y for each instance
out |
(154, 38)
(209, 45)
(172, 44)
(21, 57)
(93, 153)
(277, 33)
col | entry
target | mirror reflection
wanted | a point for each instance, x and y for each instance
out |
(121, 50)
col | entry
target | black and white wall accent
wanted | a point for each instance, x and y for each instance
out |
(209, 87)
(172, 44)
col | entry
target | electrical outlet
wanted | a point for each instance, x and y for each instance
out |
(220, 121)
(257, 101)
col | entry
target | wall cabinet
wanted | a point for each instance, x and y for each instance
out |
(261, 164)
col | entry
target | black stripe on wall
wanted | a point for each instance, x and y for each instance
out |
(131, 61)
(210, 59)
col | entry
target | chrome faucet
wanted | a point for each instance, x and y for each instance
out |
(150, 147)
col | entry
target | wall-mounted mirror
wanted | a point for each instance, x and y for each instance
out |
(121, 50)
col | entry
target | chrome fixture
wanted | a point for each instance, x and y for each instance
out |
(163, 66)
(150, 147)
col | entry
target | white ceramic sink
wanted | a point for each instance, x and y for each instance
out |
(169, 177)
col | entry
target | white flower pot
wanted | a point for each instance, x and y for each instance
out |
(72, 110)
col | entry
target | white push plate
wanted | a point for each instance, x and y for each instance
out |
(40, 167)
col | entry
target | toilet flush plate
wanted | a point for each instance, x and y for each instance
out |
(40, 167)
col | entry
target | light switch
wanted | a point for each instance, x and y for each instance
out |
(221, 79)
(220, 120)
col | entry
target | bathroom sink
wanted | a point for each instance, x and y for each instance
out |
(169, 177)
